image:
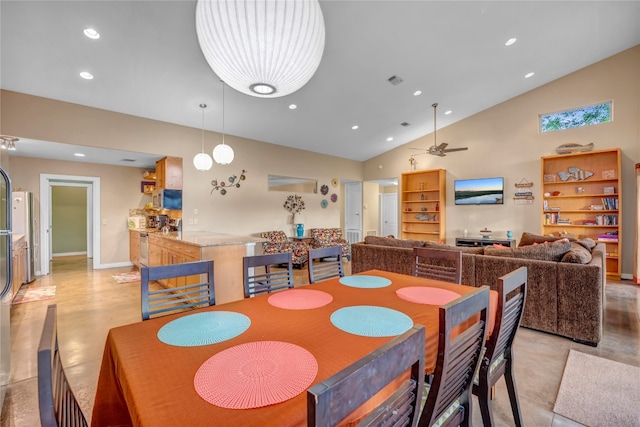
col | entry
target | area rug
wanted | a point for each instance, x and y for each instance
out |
(33, 293)
(599, 392)
(128, 277)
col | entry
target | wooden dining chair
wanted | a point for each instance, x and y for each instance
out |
(260, 278)
(195, 288)
(57, 403)
(438, 264)
(323, 266)
(330, 401)
(498, 356)
(461, 337)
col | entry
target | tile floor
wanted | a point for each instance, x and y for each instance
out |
(90, 303)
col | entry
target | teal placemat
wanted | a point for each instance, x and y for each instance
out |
(204, 328)
(365, 281)
(371, 321)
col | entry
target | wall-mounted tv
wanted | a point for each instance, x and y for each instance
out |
(481, 191)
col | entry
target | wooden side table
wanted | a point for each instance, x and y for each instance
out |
(305, 239)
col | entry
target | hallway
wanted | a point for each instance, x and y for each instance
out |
(90, 302)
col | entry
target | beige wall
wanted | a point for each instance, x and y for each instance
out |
(504, 141)
(68, 220)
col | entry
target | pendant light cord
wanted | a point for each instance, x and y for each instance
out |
(203, 106)
(222, 111)
(435, 140)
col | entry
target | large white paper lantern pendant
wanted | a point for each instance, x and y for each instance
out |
(263, 48)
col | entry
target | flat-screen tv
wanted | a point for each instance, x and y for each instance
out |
(481, 191)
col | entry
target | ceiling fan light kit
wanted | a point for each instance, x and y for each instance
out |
(262, 48)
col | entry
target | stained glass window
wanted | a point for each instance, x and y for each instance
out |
(583, 116)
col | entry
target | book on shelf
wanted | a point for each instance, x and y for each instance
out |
(610, 203)
(607, 219)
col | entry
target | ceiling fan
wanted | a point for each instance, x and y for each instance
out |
(438, 149)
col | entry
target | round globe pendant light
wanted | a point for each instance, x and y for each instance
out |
(262, 48)
(202, 161)
(222, 153)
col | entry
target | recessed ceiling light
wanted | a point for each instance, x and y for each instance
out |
(354, 127)
(293, 107)
(526, 76)
(418, 92)
(78, 154)
(390, 139)
(86, 75)
(91, 33)
(448, 112)
(511, 41)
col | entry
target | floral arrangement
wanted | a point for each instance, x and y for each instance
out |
(294, 204)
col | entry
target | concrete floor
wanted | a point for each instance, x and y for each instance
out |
(90, 303)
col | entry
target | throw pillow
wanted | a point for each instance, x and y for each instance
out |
(587, 243)
(530, 238)
(578, 254)
(547, 251)
(463, 249)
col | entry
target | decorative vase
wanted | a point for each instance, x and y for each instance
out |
(300, 229)
(509, 234)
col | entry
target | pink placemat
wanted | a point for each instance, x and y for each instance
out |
(255, 374)
(300, 299)
(427, 295)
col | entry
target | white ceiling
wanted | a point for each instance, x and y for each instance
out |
(148, 63)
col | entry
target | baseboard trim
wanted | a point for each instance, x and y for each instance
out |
(115, 265)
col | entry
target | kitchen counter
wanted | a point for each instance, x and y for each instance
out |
(209, 238)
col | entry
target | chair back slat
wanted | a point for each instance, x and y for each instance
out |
(498, 358)
(57, 403)
(199, 293)
(438, 264)
(258, 282)
(332, 400)
(326, 267)
(461, 339)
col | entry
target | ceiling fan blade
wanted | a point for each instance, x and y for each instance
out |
(413, 148)
(442, 146)
(449, 150)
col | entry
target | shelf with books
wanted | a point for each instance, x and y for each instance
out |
(582, 192)
(424, 201)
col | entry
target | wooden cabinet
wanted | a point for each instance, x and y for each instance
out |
(164, 251)
(134, 247)
(18, 264)
(582, 197)
(169, 173)
(423, 205)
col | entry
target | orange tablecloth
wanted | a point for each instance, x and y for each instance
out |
(146, 382)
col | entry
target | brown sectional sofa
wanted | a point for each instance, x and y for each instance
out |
(563, 298)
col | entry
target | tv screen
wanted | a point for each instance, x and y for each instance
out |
(482, 191)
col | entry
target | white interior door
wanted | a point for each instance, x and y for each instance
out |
(353, 211)
(390, 214)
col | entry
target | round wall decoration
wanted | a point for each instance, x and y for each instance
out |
(324, 203)
(324, 189)
(334, 197)
(334, 182)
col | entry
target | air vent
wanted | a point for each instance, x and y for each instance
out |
(128, 160)
(395, 80)
(405, 124)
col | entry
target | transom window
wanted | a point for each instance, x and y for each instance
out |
(583, 116)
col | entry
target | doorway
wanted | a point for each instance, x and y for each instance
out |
(92, 185)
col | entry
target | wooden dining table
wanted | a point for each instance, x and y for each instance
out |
(144, 381)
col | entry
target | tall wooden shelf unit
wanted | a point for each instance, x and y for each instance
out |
(585, 206)
(423, 205)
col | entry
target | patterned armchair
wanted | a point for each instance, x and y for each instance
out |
(326, 237)
(277, 242)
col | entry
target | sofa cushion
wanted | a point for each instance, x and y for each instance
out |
(578, 254)
(390, 241)
(463, 249)
(587, 243)
(504, 251)
(530, 238)
(547, 251)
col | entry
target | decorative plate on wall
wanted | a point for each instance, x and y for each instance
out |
(324, 189)
(334, 182)
(334, 197)
(324, 203)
